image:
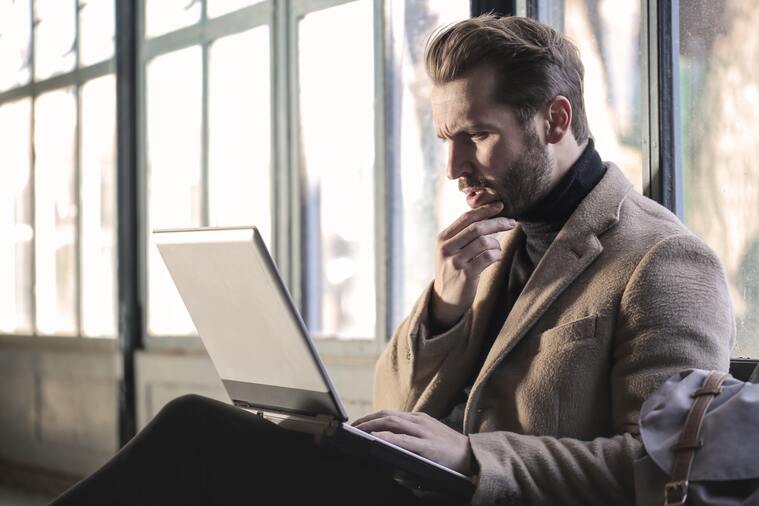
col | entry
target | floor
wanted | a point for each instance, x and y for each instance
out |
(10, 497)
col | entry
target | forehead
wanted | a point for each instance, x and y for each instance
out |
(467, 101)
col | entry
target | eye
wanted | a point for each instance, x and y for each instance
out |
(478, 136)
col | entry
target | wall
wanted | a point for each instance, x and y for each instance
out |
(59, 399)
(58, 404)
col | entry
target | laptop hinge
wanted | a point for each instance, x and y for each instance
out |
(319, 425)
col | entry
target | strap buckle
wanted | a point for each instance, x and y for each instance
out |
(675, 493)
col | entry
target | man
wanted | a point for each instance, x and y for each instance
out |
(540, 349)
(525, 362)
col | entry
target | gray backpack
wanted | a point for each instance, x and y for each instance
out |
(700, 430)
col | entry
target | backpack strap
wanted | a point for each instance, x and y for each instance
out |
(676, 490)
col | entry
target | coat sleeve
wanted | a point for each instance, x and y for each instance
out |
(674, 313)
(413, 360)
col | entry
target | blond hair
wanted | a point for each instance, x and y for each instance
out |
(534, 63)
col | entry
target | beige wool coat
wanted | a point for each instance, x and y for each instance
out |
(623, 298)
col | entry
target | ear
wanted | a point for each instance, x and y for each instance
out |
(558, 119)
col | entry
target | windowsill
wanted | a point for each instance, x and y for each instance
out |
(361, 351)
(62, 343)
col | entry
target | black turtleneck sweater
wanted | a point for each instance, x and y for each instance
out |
(540, 225)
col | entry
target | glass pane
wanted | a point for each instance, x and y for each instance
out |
(54, 37)
(163, 16)
(719, 80)
(96, 30)
(15, 219)
(55, 216)
(98, 198)
(607, 33)
(15, 36)
(337, 140)
(430, 201)
(239, 143)
(174, 99)
(218, 7)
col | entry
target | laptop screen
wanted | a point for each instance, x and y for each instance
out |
(245, 318)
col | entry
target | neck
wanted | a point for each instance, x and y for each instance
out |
(566, 155)
(575, 183)
(543, 223)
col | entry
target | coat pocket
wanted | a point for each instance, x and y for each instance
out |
(576, 367)
(570, 332)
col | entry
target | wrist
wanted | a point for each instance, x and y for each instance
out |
(440, 320)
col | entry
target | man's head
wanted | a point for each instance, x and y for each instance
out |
(508, 98)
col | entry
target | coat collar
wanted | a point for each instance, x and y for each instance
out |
(573, 250)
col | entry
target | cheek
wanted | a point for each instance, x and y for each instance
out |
(498, 159)
(490, 156)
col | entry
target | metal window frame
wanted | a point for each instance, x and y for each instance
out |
(129, 199)
(330, 345)
(660, 93)
(498, 7)
(75, 78)
(286, 202)
(660, 36)
(202, 33)
(661, 140)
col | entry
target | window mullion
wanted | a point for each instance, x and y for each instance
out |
(667, 184)
(205, 214)
(130, 209)
(281, 182)
(33, 168)
(78, 178)
(500, 7)
(383, 237)
(78, 291)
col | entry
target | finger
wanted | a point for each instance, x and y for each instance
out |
(377, 414)
(463, 259)
(483, 212)
(395, 424)
(475, 230)
(483, 260)
(413, 417)
(410, 443)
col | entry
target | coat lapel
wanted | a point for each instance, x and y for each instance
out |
(564, 261)
(576, 246)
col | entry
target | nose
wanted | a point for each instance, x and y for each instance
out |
(459, 162)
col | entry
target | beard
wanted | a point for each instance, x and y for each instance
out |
(522, 184)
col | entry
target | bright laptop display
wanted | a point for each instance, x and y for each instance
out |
(247, 320)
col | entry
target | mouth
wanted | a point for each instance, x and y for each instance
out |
(477, 196)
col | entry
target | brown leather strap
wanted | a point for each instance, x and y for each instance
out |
(676, 490)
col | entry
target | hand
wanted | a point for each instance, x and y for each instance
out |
(464, 250)
(423, 435)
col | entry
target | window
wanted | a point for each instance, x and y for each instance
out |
(427, 201)
(16, 218)
(719, 99)
(337, 162)
(258, 112)
(212, 119)
(207, 130)
(607, 33)
(715, 98)
(57, 121)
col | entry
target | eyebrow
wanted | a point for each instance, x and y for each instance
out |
(474, 127)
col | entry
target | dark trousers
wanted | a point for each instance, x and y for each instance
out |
(198, 451)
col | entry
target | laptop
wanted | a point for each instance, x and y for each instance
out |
(263, 353)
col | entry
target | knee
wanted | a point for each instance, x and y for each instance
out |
(185, 407)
